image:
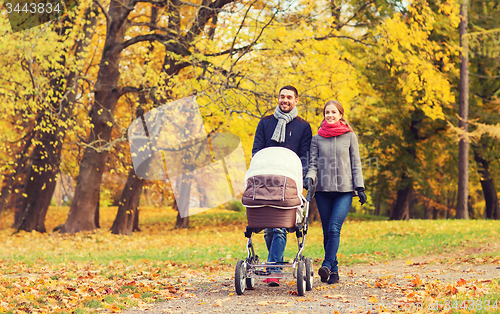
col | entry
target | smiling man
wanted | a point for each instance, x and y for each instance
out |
(286, 129)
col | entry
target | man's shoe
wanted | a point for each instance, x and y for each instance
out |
(334, 278)
(273, 282)
(324, 273)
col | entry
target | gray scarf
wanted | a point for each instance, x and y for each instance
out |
(283, 119)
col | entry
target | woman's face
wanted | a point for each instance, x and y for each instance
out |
(332, 114)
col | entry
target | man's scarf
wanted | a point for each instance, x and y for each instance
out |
(283, 119)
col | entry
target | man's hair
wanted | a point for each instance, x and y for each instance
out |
(290, 87)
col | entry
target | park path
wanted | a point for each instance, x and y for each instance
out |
(363, 288)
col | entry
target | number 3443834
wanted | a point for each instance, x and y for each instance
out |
(34, 8)
(465, 305)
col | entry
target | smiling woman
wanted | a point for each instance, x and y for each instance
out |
(335, 182)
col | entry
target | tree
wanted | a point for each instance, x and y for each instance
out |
(463, 154)
(46, 156)
(180, 41)
(408, 69)
(484, 28)
(53, 91)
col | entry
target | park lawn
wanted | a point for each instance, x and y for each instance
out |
(65, 273)
(217, 236)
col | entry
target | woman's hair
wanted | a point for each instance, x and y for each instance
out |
(340, 108)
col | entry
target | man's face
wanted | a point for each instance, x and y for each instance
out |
(287, 100)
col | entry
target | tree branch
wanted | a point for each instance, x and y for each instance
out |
(247, 47)
(485, 76)
(108, 18)
(151, 26)
(354, 15)
(204, 14)
(172, 47)
(129, 89)
(344, 37)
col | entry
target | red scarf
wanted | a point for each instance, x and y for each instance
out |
(333, 129)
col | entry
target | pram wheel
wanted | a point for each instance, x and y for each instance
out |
(239, 277)
(309, 274)
(301, 278)
(250, 283)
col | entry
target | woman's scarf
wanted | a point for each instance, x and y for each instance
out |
(333, 129)
(283, 119)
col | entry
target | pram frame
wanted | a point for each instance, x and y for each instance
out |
(247, 271)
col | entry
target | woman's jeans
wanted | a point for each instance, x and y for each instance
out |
(333, 208)
(276, 243)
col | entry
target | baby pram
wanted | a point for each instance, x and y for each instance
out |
(273, 199)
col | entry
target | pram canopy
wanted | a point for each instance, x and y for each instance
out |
(274, 179)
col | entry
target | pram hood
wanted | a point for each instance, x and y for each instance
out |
(276, 161)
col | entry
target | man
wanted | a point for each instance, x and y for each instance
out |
(284, 128)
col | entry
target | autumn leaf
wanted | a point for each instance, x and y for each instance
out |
(416, 282)
(451, 289)
(461, 282)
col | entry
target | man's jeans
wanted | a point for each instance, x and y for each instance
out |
(333, 208)
(276, 243)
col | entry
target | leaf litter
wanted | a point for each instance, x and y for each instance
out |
(394, 286)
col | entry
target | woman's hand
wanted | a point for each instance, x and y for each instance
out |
(362, 195)
(308, 182)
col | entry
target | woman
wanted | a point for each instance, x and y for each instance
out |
(335, 169)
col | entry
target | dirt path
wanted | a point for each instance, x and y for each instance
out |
(362, 288)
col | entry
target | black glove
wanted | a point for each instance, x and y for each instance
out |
(308, 182)
(362, 195)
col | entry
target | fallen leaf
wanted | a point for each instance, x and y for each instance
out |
(461, 282)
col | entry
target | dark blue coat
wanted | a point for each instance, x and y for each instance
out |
(298, 137)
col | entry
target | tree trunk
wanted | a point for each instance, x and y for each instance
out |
(463, 154)
(41, 178)
(107, 93)
(435, 213)
(135, 227)
(16, 180)
(127, 217)
(97, 214)
(377, 204)
(182, 204)
(490, 194)
(401, 209)
(313, 211)
(427, 209)
(180, 222)
(129, 202)
(40, 184)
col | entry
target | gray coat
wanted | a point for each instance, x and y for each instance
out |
(334, 163)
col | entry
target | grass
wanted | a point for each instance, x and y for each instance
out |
(216, 236)
(99, 271)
